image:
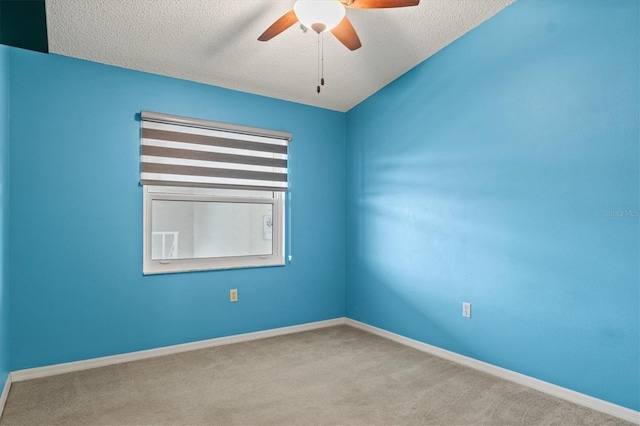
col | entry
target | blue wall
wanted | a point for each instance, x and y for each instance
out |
(503, 171)
(76, 239)
(4, 217)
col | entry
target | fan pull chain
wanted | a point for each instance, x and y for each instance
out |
(318, 63)
(322, 72)
(320, 60)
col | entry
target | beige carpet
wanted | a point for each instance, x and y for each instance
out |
(337, 375)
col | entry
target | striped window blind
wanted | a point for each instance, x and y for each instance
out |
(180, 151)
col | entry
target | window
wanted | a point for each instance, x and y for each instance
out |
(213, 194)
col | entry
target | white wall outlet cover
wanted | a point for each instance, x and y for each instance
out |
(466, 309)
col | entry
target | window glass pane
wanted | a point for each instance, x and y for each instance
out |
(200, 229)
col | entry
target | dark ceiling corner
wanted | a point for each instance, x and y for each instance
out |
(23, 23)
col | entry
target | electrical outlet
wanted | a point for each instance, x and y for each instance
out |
(466, 309)
(233, 295)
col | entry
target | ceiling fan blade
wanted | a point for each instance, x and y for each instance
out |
(380, 4)
(285, 21)
(346, 34)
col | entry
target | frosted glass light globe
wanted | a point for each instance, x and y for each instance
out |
(319, 15)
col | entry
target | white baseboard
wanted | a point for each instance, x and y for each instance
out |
(5, 393)
(539, 385)
(68, 367)
(548, 388)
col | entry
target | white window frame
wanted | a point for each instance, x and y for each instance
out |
(163, 266)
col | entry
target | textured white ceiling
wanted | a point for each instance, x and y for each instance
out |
(215, 42)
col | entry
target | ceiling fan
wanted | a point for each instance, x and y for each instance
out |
(329, 15)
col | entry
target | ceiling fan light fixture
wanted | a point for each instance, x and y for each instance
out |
(319, 15)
